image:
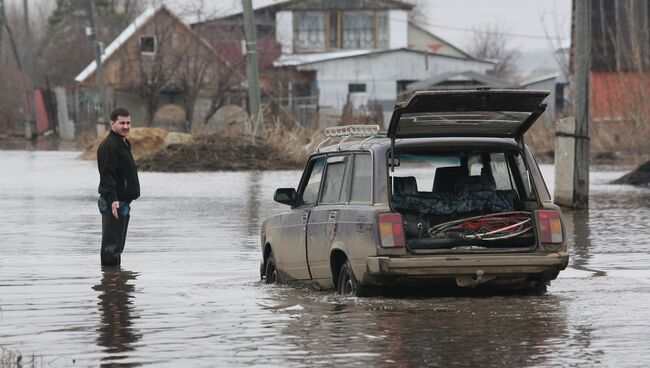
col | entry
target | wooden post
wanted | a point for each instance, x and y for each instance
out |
(572, 135)
(101, 118)
(2, 22)
(254, 99)
(30, 114)
(581, 104)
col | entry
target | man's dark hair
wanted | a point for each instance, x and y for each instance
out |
(120, 111)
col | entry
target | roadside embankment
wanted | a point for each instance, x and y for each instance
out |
(156, 149)
(144, 141)
(218, 152)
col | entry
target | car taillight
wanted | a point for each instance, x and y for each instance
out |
(391, 230)
(549, 225)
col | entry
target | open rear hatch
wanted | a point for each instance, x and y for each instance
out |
(465, 200)
(467, 113)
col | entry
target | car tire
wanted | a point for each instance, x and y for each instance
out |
(271, 271)
(347, 284)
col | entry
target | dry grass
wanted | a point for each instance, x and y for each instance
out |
(541, 139)
(10, 359)
(144, 141)
(295, 141)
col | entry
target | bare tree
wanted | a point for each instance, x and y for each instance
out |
(491, 42)
(12, 75)
(203, 71)
(180, 64)
(64, 48)
(418, 15)
(560, 50)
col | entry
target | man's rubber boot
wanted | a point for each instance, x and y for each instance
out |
(113, 236)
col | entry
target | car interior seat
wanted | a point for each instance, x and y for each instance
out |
(405, 185)
(445, 178)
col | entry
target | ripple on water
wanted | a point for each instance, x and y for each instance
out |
(188, 293)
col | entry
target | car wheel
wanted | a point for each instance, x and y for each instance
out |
(348, 285)
(271, 272)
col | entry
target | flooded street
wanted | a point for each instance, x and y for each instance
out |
(188, 293)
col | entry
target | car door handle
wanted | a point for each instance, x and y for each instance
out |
(333, 215)
(304, 216)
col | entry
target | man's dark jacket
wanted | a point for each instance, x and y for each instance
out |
(118, 175)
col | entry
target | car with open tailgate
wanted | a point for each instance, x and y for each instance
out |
(449, 194)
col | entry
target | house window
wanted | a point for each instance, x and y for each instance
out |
(148, 44)
(331, 30)
(356, 87)
(358, 30)
(310, 30)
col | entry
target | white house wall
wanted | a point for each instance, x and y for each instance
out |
(549, 85)
(284, 30)
(398, 29)
(380, 72)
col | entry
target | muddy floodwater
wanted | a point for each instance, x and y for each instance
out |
(188, 293)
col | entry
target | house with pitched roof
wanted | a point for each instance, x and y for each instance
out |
(339, 55)
(160, 70)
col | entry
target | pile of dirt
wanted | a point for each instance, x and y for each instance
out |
(640, 176)
(144, 142)
(218, 152)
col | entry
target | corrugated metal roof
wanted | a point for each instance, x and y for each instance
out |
(460, 76)
(539, 79)
(316, 57)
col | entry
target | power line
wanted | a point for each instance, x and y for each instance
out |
(518, 35)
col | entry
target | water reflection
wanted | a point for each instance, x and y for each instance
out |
(499, 331)
(579, 240)
(253, 191)
(116, 333)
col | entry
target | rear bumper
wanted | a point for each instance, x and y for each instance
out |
(463, 265)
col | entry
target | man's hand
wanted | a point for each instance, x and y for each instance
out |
(114, 206)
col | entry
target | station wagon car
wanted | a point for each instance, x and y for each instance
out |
(450, 194)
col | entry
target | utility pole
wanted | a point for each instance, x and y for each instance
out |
(2, 22)
(30, 114)
(92, 33)
(581, 104)
(254, 100)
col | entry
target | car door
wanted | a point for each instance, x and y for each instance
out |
(291, 250)
(323, 219)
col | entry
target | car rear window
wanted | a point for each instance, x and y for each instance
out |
(475, 171)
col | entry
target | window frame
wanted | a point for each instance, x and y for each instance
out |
(328, 16)
(304, 180)
(155, 44)
(352, 86)
(372, 177)
(344, 195)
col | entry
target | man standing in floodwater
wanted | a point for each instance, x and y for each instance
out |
(118, 186)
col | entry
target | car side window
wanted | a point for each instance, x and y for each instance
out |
(361, 179)
(501, 171)
(310, 193)
(525, 176)
(333, 187)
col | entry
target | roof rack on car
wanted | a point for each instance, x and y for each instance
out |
(346, 132)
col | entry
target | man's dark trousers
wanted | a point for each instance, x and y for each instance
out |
(114, 235)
